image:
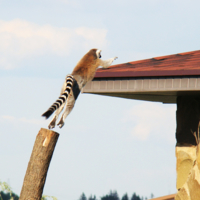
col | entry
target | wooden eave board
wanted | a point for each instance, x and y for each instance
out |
(163, 90)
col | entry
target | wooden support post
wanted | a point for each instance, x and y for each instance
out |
(188, 116)
(38, 165)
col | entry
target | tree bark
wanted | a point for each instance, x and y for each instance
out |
(38, 165)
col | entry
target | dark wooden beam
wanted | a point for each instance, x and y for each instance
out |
(187, 116)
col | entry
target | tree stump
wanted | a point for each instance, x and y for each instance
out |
(38, 165)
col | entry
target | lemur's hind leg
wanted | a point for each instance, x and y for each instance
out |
(69, 106)
(55, 117)
(58, 111)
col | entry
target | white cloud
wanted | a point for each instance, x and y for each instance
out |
(152, 119)
(20, 39)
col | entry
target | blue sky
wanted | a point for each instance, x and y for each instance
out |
(107, 143)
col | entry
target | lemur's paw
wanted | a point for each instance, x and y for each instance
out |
(52, 123)
(61, 123)
(115, 58)
(51, 126)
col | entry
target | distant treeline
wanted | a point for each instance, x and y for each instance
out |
(113, 195)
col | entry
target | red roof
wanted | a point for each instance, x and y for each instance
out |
(182, 64)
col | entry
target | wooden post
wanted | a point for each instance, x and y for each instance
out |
(38, 165)
(188, 116)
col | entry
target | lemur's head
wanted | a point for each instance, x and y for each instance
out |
(95, 52)
(98, 53)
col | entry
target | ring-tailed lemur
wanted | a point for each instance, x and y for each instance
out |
(82, 74)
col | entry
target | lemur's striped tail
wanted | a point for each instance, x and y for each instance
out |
(62, 98)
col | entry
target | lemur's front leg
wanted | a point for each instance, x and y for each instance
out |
(107, 63)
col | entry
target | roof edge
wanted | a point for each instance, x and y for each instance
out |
(172, 73)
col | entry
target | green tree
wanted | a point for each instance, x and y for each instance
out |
(6, 192)
(152, 196)
(92, 197)
(111, 196)
(83, 197)
(135, 197)
(6, 196)
(45, 197)
(125, 197)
